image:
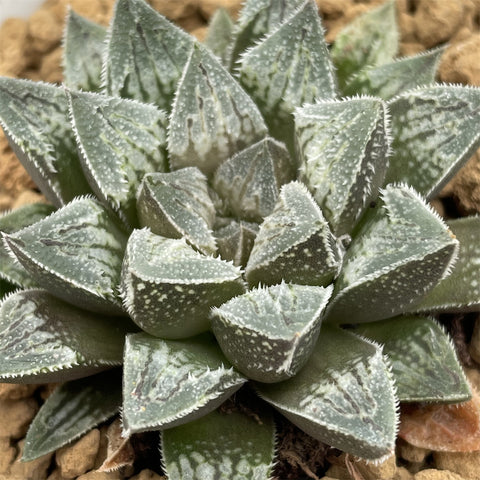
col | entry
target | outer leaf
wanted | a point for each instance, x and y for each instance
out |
(287, 69)
(177, 205)
(73, 409)
(84, 46)
(145, 55)
(460, 291)
(43, 339)
(343, 148)
(435, 132)
(212, 116)
(250, 181)
(220, 446)
(423, 359)
(75, 253)
(269, 333)
(10, 222)
(401, 252)
(370, 39)
(294, 243)
(119, 142)
(336, 396)
(219, 35)
(391, 79)
(34, 117)
(168, 288)
(168, 383)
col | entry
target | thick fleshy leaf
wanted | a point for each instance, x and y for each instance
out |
(370, 39)
(212, 117)
(76, 254)
(73, 408)
(219, 35)
(343, 396)
(145, 54)
(34, 117)
(11, 270)
(424, 364)
(401, 252)
(434, 133)
(177, 205)
(391, 79)
(250, 181)
(460, 291)
(43, 339)
(220, 446)
(84, 46)
(343, 148)
(170, 382)
(294, 243)
(287, 69)
(269, 333)
(168, 288)
(119, 142)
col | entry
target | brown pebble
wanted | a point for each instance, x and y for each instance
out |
(14, 41)
(148, 474)
(51, 66)
(34, 470)
(45, 31)
(116, 475)
(16, 391)
(15, 416)
(373, 471)
(411, 453)
(466, 464)
(7, 454)
(209, 7)
(431, 474)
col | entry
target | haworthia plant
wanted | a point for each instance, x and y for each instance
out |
(222, 216)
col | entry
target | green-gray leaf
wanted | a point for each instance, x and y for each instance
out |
(168, 288)
(119, 142)
(84, 46)
(146, 54)
(401, 252)
(219, 35)
(43, 339)
(75, 253)
(34, 117)
(176, 205)
(171, 382)
(423, 359)
(71, 410)
(343, 396)
(343, 147)
(219, 446)
(269, 333)
(435, 131)
(250, 181)
(294, 243)
(212, 117)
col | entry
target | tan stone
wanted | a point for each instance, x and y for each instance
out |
(407, 27)
(28, 197)
(78, 458)
(101, 476)
(56, 475)
(15, 416)
(34, 470)
(14, 41)
(45, 31)
(14, 391)
(7, 454)
(339, 472)
(402, 474)
(173, 9)
(372, 471)
(333, 8)
(408, 49)
(147, 474)
(466, 464)
(51, 69)
(209, 7)
(411, 453)
(432, 474)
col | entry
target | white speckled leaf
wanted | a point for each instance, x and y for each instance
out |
(460, 291)
(250, 181)
(10, 222)
(269, 333)
(145, 54)
(343, 148)
(212, 117)
(391, 79)
(424, 364)
(287, 69)
(344, 396)
(168, 288)
(119, 142)
(34, 117)
(75, 253)
(401, 252)
(435, 131)
(83, 52)
(170, 382)
(177, 205)
(71, 410)
(43, 339)
(294, 243)
(370, 39)
(219, 35)
(219, 446)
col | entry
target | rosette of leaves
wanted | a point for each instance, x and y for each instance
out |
(235, 214)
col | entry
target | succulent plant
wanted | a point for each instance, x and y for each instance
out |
(227, 215)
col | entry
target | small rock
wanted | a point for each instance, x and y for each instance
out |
(209, 7)
(101, 476)
(27, 197)
(466, 464)
(14, 41)
(174, 10)
(148, 474)
(14, 391)
(371, 471)
(333, 8)
(402, 474)
(7, 454)
(45, 31)
(408, 49)
(34, 470)
(15, 416)
(432, 474)
(411, 453)
(56, 475)
(51, 66)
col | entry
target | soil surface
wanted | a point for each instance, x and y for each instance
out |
(32, 49)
